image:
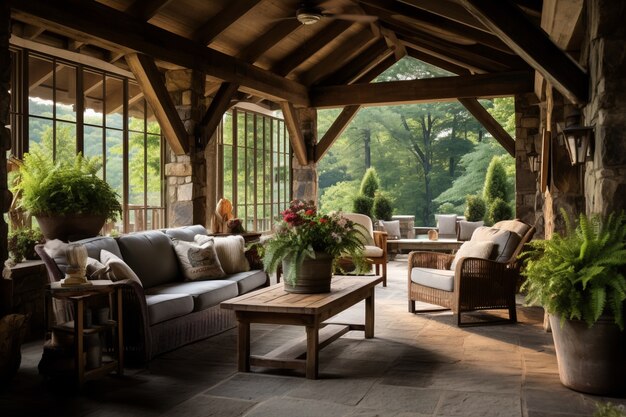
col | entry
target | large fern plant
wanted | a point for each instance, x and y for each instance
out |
(581, 274)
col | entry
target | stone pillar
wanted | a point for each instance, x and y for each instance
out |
(186, 174)
(305, 185)
(5, 133)
(605, 176)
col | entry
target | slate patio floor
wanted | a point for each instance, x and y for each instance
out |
(417, 365)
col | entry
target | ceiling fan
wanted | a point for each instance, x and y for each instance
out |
(310, 12)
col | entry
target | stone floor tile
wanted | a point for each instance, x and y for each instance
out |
(348, 391)
(254, 386)
(479, 404)
(569, 402)
(387, 397)
(209, 406)
(290, 407)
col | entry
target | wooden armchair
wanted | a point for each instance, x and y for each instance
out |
(375, 245)
(475, 283)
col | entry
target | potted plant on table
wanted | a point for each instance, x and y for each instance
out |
(308, 244)
(67, 197)
(579, 279)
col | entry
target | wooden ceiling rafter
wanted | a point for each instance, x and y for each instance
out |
(450, 10)
(296, 138)
(424, 90)
(112, 29)
(533, 45)
(267, 40)
(217, 24)
(354, 68)
(146, 9)
(152, 84)
(213, 116)
(438, 62)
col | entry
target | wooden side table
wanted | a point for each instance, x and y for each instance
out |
(78, 296)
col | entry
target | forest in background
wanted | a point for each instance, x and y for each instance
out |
(428, 157)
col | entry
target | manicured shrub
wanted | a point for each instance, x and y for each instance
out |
(495, 182)
(382, 207)
(475, 208)
(499, 210)
(446, 208)
(370, 183)
(363, 205)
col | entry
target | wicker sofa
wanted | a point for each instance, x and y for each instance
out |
(163, 312)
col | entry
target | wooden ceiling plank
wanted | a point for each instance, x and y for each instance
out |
(111, 29)
(424, 90)
(450, 10)
(296, 138)
(213, 116)
(151, 82)
(484, 118)
(30, 32)
(335, 130)
(437, 62)
(358, 65)
(211, 87)
(234, 10)
(338, 57)
(431, 19)
(266, 41)
(146, 9)
(297, 57)
(532, 44)
(378, 69)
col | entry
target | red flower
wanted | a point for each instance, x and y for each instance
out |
(323, 220)
(310, 212)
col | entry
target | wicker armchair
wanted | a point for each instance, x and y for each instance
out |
(376, 245)
(478, 284)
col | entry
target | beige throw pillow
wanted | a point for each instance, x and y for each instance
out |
(472, 249)
(198, 261)
(230, 251)
(392, 227)
(119, 269)
(97, 270)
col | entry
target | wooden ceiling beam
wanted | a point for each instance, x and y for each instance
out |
(432, 20)
(378, 69)
(534, 46)
(450, 9)
(151, 82)
(268, 40)
(358, 65)
(424, 90)
(234, 10)
(111, 29)
(296, 138)
(337, 57)
(437, 62)
(294, 59)
(335, 130)
(146, 9)
(30, 32)
(213, 116)
(484, 118)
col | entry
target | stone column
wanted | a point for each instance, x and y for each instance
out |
(186, 174)
(305, 185)
(5, 133)
(605, 176)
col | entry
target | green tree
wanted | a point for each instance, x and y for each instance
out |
(475, 208)
(370, 183)
(338, 197)
(495, 182)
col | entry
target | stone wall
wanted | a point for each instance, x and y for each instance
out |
(186, 174)
(5, 133)
(605, 176)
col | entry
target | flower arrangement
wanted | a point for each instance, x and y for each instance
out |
(303, 231)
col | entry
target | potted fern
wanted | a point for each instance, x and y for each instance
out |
(579, 279)
(67, 198)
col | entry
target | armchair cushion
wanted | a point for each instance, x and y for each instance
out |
(466, 229)
(513, 226)
(441, 279)
(446, 224)
(366, 223)
(372, 251)
(473, 249)
(392, 228)
(505, 241)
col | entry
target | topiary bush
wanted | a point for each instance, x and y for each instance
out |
(499, 210)
(370, 183)
(446, 208)
(382, 207)
(475, 209)
(495, 182)
(363, 205)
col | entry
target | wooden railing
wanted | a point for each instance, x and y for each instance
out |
(137, 218)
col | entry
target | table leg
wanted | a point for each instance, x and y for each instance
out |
(369, 315)
(120, 333)
(312, 351)
(243, 346)
(79, 311)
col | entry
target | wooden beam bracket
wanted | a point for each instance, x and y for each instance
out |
(296, 138)
(213, 116)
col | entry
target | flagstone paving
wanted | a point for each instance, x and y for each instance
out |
(417, 365)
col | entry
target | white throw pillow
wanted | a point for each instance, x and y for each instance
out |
(230, 251)
(472, 249)
(198, 261)
(446, 224)
(119, 269)
(97, 270)
(392, 227)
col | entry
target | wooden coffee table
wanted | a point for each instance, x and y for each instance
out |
(275, 306)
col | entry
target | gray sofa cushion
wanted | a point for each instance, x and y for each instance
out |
(93, 244)
(151, 255)
(186, 233)
(249, 280)
(205, 293)
(505, 241)
(163, 307)
(441, 279)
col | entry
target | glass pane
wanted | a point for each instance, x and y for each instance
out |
(40, 81)
(65, 141)
(154, 170)
(93, 142)
(136, 175)
(136, 108)
(93, 92)
(250, 130)
(113, 173)
(40, 135)
(66, 92)
(242, 175)
(153, 125)
(228, 171)
(227, 129)
(114, 89)
(241, 129)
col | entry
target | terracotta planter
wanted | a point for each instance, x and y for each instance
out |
(590, 359)
(71, 227)
(313, 276)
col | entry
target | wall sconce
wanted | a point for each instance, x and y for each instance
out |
(576, 139)
(533, 159)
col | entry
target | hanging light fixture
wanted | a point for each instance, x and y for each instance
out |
(533, 159)
(576, 139)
